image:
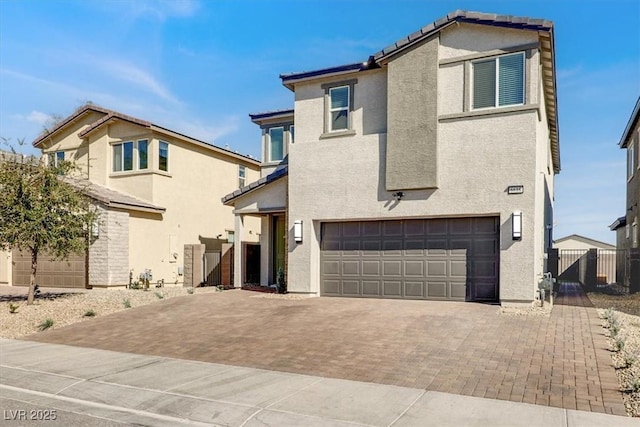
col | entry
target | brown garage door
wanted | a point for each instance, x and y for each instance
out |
(449, 259)
(69, 273)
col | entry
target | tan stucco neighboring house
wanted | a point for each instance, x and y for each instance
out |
(576, 241)
(424, 172)
(156, 190)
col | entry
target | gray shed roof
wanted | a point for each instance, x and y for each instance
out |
(274, 176)
(114, 199)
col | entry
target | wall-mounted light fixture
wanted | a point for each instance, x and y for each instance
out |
(398, 195)
(297, 231)
(95, 230)
(516, 225)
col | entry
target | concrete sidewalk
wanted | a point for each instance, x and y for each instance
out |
(91, 387)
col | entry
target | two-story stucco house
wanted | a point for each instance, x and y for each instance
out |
(626, 227)
(424, 172)
(156, 190)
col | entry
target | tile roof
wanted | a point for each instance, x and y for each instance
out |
(274, 176)
(115, 115)
(112, 198)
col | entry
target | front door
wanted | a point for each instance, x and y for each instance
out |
(278, 244)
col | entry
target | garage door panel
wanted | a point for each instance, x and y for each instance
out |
(371, 288)
(351, 287)
(458, 290)
(391, 288)
(414, 268)
(414, 289)
(350, 268)
(414, 227)
(454, 258)
(371, 267)
(331, 230)
(69, 273)
(392, 268)
(331, 267)
(331, 286)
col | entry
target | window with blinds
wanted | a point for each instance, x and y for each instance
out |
(339, 99)
(498, 82)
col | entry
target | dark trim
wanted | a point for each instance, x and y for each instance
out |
(274, 176)
(358, 66)
(630, 125)
(270, 114)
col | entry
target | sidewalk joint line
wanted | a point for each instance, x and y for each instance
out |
(408, 407)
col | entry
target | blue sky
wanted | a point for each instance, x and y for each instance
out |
(199, 67)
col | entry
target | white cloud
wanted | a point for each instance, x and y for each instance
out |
(38, 117)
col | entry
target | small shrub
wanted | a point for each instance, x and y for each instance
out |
(219, 288)
(629, 359)
(126, 303)
(618, 344)
(608, 314)
(89, 313)
(634, 385)
(46, 324)
(614, 329)
(135, 285)
(13, 308)
(190, 291)
(160, 295)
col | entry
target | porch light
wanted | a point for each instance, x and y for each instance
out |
(516, 225)
(297, 231)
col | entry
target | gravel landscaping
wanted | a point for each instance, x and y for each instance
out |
(66, 308)
(621, 320)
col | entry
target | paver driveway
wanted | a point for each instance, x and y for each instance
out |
(461, 348)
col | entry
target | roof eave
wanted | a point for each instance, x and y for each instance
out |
(630, 124)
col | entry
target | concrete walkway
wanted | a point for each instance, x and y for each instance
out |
(88, 387)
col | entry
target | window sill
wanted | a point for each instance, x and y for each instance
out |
(489, 112)
(338, 134)
(138, 173)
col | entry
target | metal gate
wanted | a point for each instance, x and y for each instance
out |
(594, 267)
(212, 271)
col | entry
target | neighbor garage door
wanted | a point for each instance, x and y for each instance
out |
(447, 259)
(70, 273)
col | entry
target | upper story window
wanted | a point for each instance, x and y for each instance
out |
(163, 156)
(291, 133)
(339, 108)
(276, 144)
(242, 175)
(131, 155)
(143, 154)
(498, 82)
(631, 160)
(123, 156)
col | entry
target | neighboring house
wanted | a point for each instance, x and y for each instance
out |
(575, 241)
(626, 227)
(424, 172)
(156, 190)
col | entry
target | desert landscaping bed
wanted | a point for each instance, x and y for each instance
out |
(621, 319)
(67, 308)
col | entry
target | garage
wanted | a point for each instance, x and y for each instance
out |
(70, 273)
(439, 259)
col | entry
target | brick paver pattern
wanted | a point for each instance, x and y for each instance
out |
(463, 348)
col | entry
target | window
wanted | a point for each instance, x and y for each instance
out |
(634, 232)
(276, 144)
(55, 158)
(143, 154)
(163, 156)
(242, 175)
(291, 133)
(123, 156)
(339, 108)
(498, 82)
(631, 159)
(231, 236)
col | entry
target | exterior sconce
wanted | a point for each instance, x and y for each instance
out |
(297, 231)
(95, 230)
(516, 225)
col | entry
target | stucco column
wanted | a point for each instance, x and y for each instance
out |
(237, 251)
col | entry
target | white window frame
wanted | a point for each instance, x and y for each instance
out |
(631, 159)
(160, 142)
(54, 157)
(242, 175)
(113, 155)
(269, 153)
(497, 84)
(347, 109)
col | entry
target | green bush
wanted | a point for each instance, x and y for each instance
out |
(126, 303)
(13, 308)
(46, 324)
(190, 291)
(159, 295)
(89, 313)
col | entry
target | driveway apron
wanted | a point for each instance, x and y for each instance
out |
(462, 348)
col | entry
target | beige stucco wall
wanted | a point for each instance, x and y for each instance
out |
(190, 191)
(478, 158)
